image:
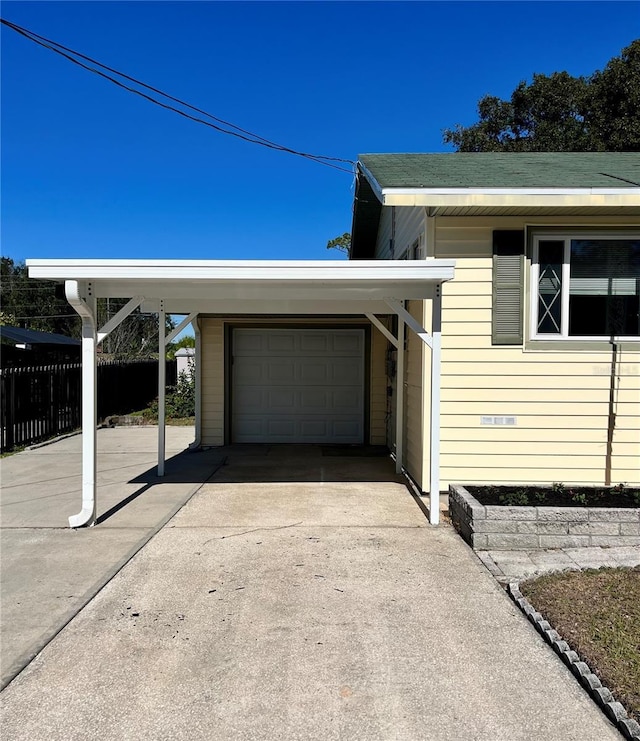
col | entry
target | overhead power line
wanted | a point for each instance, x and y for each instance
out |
(231, 129)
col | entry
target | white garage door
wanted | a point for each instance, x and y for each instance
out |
(298, 386)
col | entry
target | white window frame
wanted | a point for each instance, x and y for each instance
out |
(567, 236)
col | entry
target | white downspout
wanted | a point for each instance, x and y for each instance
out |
(198, 380)
(162, 382)
(400, 395)
(86, 310)
(436, 345)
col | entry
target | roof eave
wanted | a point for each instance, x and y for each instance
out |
(512, 197)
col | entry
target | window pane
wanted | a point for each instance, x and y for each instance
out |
(604, 290)
(550, 257)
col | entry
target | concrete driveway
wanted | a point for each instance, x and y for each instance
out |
(300, 596)
(47, 571)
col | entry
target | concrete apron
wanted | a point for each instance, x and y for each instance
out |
(301, 597)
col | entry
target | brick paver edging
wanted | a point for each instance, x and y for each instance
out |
(502, 527)
(601, 694)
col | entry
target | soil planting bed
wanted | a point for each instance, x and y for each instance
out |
(557, 495)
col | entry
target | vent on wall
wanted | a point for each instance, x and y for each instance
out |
(502, 421)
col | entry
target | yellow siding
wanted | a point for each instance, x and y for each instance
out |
(571, 426)
(213, 381)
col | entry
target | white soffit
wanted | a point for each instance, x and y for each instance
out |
(215, 285)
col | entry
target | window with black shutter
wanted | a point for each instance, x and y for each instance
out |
(508, 287)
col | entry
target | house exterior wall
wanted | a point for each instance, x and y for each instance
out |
(403, 224)
(213, 373)
(578, 419)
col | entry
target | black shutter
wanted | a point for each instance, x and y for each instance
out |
(508, 287)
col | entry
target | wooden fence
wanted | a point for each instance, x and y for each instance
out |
(39, 403)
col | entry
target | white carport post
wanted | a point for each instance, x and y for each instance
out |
(198, 371)
(400, 396)
(163, 341)
(434, 440)
(162, 382)
(86, 308)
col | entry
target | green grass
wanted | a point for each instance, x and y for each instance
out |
(597, 611)
(151, 418)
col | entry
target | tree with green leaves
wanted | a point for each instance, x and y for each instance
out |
(187, 340)
(34, 304)
(561, 113)
(341, 243)
(37, 304)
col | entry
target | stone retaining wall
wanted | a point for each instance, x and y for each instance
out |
(492, 527)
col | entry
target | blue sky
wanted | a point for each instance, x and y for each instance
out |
(89, 170)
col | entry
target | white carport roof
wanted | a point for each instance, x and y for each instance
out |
(192, 287)
(248, 286)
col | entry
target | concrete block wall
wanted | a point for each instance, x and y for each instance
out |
(489, 527)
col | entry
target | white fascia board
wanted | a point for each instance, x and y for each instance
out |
(512, 197)
(511, 191)
(243, 271)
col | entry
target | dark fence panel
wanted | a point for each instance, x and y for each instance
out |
(129, 386)
(40, 403)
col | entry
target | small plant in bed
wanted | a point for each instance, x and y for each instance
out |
(557, 495)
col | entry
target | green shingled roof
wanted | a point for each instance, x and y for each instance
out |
(505, 170)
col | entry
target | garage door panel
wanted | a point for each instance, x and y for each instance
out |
(280, 343)
(312, 428)
(248, 372)
(247, 343)
(345, 429)
(280, 400)
(346, 343)
(345, 374)
(278, 371)
(346, 400)
(314, 372)
(315, 343)
(313, 400)
(247, 428)
(283, 427)
(298, 385)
